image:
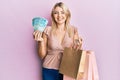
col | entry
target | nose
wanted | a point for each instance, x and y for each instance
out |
(59, 14)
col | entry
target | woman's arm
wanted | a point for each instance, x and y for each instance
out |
(41, 38)
(42, 46)
(77, 39)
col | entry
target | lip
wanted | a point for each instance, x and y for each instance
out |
(59, 19)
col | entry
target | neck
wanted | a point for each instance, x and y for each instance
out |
(61, 27)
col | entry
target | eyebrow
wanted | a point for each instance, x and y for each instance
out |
(58, 11)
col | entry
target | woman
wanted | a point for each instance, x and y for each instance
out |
(54, 39)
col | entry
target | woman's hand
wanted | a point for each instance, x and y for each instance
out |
(77, 44)
(37, 35)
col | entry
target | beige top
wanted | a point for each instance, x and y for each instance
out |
(55, 49)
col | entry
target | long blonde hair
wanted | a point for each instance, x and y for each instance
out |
(68, 16)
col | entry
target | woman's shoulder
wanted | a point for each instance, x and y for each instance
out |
(73, 27)
(47, 30)
(48, 27)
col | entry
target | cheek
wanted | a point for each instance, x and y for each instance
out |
(55, 16)
(65, 17)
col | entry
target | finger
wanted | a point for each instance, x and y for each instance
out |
(39, 37)
(74, 45)
(78, 47)
(37, 34)
(40, 34)
(80, 39)
(78, 43)
(34, 34)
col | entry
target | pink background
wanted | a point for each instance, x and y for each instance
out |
(98, 22)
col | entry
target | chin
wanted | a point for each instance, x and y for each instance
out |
(61, 22)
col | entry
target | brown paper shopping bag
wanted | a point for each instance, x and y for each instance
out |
(72, 63)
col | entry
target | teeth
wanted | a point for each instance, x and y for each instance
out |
(59, 19)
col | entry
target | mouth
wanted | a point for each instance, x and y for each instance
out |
(59, 19)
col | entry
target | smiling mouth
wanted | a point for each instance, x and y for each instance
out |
(60, 19)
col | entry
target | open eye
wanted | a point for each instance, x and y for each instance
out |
(62, 12)
(55, 12)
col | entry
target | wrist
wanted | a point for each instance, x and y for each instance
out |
(40, 42)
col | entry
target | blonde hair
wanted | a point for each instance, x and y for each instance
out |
(68, 16)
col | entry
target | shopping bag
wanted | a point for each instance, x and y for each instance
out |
(90, 68)
(72, 63)
(91, 71)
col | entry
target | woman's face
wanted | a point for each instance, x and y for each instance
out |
(59, 15)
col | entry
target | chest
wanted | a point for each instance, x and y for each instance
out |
(59, 36)
(60, 41)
